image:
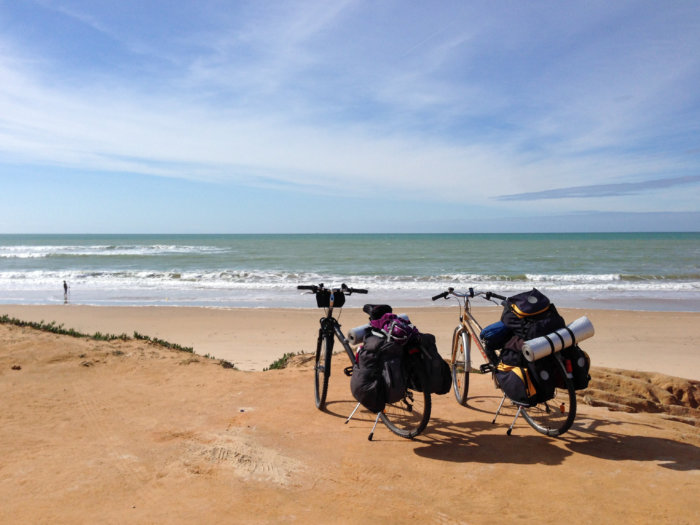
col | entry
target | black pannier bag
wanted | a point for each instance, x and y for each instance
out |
(378, 377)
(437, 371)
(516, 384)
(393, 373)
(578, 363)
(527, 383)
(546, 376)
(366, 382)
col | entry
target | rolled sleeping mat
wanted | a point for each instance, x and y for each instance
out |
(570, 335)
(356, 336)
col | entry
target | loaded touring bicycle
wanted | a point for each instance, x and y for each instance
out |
(531, 354)
(401, 397)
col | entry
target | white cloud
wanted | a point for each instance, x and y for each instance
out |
(274, 100)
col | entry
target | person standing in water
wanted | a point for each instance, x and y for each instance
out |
(65, 292)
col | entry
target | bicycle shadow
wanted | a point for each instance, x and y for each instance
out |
(476, 441)
(587, 437)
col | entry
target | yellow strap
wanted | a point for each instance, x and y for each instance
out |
(520, 313)
(522, 373)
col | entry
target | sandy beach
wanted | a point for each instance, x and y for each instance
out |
(110, 432)
(666, 342)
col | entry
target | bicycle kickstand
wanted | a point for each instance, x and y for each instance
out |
(499, 409)
(517, 414)
(510, 429)
(371, 434)
(352, 414)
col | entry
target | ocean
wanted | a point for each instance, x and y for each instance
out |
(639, 271)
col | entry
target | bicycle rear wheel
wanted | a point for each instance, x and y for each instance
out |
(554, 417)
(322, 368)
(409, 416)
(460, 365)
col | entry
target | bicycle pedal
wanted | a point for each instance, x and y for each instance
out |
(487, 368)
(348, 370)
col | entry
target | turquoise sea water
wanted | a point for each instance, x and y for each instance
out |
(649, 271)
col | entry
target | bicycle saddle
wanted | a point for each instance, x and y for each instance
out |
(375, 311)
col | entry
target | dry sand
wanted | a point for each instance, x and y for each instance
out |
(666, 342)
(128, 431)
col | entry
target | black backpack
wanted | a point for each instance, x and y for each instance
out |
(530, 314)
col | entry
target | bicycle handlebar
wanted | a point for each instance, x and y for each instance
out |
(442, 295)
(470, 293)
(315, 288)
(348, 290)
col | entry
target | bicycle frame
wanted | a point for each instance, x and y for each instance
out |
(471, 326)
(331, 327)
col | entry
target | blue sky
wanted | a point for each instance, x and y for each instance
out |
(348, 116)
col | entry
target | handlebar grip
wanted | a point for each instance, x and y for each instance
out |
(345, 288)
(306, 287)
(440, 296)
(497, 296)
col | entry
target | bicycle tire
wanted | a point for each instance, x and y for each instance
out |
(408, 417)
(322, 369)
(554, 417)
(460, 365)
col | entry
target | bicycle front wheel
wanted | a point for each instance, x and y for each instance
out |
(409, 416)
(322, 369)
(554, 417)
(460, 365)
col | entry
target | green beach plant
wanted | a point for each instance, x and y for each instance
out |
(281, 362)
(53, 328)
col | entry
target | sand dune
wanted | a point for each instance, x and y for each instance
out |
(128, 431)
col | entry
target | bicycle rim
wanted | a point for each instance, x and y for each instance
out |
(409, 416)
(554, 417)
(322, 370)
(460, 366)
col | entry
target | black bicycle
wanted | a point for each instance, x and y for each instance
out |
(407, 417)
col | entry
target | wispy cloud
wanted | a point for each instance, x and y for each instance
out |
(404, 99)
(603, 190)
